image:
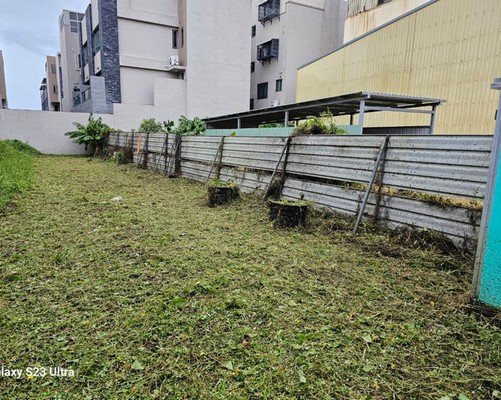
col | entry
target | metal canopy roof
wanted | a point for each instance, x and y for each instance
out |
(348, 104)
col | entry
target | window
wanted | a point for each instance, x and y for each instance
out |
(54, 89)
(53, 68)
(174, 38)
(85, 55)
(253, 66)
(267, 50)
(73, 16)
(278, 85)
(182, 37)
(78, 63)
(262, 90)
(251, 105)
(96, 41)
(253, 30)
(74, 26)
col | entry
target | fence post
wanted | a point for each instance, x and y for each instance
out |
(177, 165)
(145, 152)
(379, 183)
(381, 155)
(487, 277)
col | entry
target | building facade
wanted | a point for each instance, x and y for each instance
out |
(69, 58)
(447, 49)
(49, 88)
(164, 58)
(284, 35)
(4, 104)
(366, 15)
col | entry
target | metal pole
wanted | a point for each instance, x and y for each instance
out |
(380, 156)
(433, 118)
(361, 116)
(219, 149)
(239, 123)
(488, 201)
(286, 146)
(286, 121)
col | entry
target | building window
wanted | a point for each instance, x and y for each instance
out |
(262, 90)
(54, 89)
(78, 62)
(251, 105)
(269, 10)
(267, 50)
(74, 26)
(174, 38)
(253, 31)
(85, 55)
(96, 41)
(53, 68)
(182, 37)
(278, 85)
(73, 16)
(253, 66)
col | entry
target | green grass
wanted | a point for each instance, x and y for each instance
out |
(158, 296)
(15, 169)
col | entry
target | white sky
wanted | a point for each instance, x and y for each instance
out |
(28, 33)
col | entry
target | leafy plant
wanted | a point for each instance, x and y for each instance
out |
(190, 127)
(321, 125)
(95, 133)
(151, 125)
(168, 126)
(219, 183)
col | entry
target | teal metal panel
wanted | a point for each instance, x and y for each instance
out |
(350, 129)
(490, 282)
(487, 274)
(250, 132)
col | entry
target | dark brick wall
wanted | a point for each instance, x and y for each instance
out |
(110, 58)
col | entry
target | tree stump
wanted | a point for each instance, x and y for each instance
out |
(219, 194)
(288, 214)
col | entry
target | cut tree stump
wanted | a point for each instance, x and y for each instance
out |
(288, 214)
(219, 195)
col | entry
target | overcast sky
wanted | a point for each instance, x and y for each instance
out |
(28, 33)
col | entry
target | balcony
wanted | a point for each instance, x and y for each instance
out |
(269, 10)
(268, 50)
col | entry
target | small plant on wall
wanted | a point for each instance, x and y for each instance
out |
(322, 125)
(190, 127)
(94, 133)
(151, 125)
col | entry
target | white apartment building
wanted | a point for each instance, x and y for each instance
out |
(284, 35)
(68, 59)
(165, 58)
(3, 86)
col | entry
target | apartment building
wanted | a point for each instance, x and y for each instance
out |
(284, 35)
(366, 15)
(69, 58)
(165, 58)
(3, 85)
(49, 87)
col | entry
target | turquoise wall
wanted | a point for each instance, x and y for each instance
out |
(351, 129)
(490, 282)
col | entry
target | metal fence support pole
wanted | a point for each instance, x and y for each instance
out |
(361, 116)
(284, 149)
(219, 150)
(382, 152)
(433, 119)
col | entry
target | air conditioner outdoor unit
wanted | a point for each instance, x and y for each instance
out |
(275, 103)
(173, 60)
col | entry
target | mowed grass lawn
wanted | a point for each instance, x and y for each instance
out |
(158, 296)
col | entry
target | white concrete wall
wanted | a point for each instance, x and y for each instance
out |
(44, 130)
(218, 57)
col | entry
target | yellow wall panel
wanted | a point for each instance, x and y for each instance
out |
(450, 49)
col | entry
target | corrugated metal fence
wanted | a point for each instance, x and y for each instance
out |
(431, 182)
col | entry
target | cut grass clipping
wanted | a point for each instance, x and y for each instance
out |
(15, 169)
(154, 295)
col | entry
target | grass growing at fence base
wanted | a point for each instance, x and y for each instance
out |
(158, 296)
(15, 169)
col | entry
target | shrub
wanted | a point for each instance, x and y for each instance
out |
(95, 133)
(319, 126)
(190, 127)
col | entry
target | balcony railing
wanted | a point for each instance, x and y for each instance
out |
(269, 10)
(267, 51)
(82, 97)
